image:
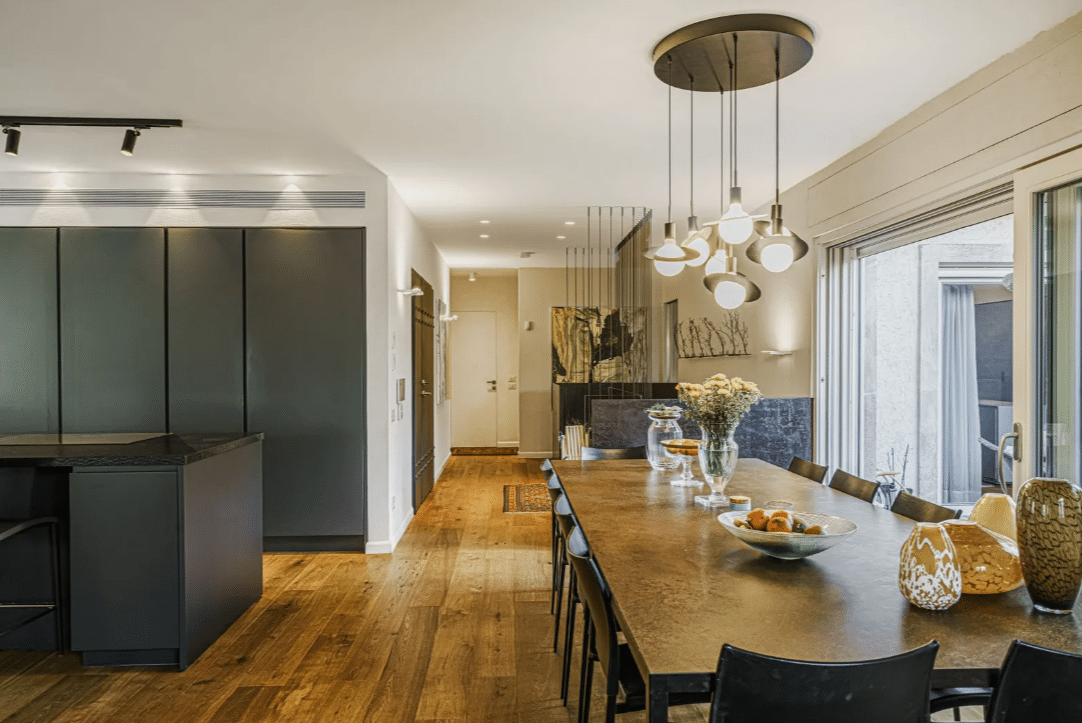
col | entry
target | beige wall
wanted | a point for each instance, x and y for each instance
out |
(538, 291)
(496, 291)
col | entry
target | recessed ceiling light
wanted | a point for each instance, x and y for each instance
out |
(561, 237)
(484, 221)
(569, 223)
(484, 235)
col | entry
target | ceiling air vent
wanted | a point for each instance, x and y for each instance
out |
(278, 200)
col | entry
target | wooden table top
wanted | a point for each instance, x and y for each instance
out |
(683, 586)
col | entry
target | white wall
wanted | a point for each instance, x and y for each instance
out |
(495, 291)
(539, 289)
(407, 249)
(385, 272)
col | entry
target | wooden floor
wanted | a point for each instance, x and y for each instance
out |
(454, 626)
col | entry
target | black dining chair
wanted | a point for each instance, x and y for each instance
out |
(1037, 684)
(12, 528)
(754, 687)
(812, 471)
(555, 489)
(920, 510)
(622, 453)
(852, 485)
(601, 644)
(566, 521)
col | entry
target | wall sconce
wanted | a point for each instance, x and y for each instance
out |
(452, 317)
(415, 291)
(775, 352)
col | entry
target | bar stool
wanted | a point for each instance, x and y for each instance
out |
(12, 528)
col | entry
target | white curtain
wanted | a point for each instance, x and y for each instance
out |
(961, 406)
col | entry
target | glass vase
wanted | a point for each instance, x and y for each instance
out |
(718, 452)
(663, 426)
(1050, 543)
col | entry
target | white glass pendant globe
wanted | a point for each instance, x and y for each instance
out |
(730, 295)
(776, 257)
(716, 264)
(699, 245)
(669, 251)
(736, 226)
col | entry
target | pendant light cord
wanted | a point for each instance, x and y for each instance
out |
(691, 153)
(777, 125)
(670, 138)
(721, 145)
(736, 139)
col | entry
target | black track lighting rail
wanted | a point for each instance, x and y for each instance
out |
(44, 120)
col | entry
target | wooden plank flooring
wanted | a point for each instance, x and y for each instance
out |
(454, 626)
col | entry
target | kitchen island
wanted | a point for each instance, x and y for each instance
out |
(164, 537)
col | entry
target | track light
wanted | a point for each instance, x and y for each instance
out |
(11, 145)
(128, 146)
(471, 277)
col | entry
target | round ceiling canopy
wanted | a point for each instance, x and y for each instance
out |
(702, 51)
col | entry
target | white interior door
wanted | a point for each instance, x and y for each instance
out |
(473, 380)
(1048, 318)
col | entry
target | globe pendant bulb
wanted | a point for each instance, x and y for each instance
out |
(716, 264)
(730, 295)
(669, 250)
(777, 257)
(699, 245)
(736, 226)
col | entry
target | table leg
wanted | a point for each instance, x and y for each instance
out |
(657, 703)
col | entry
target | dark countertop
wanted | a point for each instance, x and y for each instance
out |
(170, 449)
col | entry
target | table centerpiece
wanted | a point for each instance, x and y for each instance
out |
(718, 405)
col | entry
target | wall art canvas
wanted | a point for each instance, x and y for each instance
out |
(704, 338)
(591, 344)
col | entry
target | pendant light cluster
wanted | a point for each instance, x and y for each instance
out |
(725, 55)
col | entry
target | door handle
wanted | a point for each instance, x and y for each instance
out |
(426, 394)
(1016, 454)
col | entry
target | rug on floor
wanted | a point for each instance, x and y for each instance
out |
(526, 498)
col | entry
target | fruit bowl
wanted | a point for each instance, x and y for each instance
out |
(791, 545)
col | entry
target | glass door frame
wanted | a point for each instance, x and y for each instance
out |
(1029, 183)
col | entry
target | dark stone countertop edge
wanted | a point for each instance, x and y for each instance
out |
(133, 455)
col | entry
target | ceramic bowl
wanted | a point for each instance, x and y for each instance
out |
(686, 447)
(791, 545)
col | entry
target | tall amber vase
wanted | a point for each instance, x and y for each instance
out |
(1050, 543)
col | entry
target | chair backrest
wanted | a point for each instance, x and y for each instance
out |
(920, 510)
(598, 602)
(853, 485)
(564, 516)
(624, 453)
(1037, 684)
(812, 471)
(546, 466)
(752, 687)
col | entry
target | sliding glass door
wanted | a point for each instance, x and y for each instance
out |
(1048, 355)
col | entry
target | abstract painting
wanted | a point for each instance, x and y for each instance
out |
(590, 344)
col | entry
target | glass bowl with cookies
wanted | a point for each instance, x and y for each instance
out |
(786, 534)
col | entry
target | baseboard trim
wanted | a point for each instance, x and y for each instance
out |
(536, 455)
(315, 543)
(380, 547)
(396, 536)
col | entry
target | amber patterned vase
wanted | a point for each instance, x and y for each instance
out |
(1050, 542)
(929, 575)
(989, 561)
(996, 512)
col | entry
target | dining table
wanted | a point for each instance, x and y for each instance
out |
(682, 586)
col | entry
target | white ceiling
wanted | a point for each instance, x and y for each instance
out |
(522, 113)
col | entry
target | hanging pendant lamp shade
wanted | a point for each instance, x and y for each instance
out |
(776, 248)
